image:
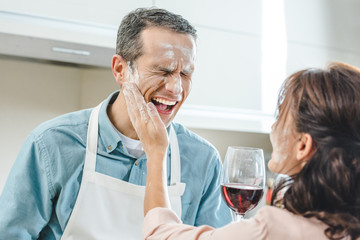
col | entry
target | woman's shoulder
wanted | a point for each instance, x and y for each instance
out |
(282, 224)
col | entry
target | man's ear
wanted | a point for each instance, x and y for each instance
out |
(119, 68)
(305, 148)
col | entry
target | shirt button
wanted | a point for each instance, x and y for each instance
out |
(137, 163)
(110, 147)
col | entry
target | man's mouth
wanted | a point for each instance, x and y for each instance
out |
(163, 105)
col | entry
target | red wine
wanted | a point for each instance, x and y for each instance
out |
(241, 198)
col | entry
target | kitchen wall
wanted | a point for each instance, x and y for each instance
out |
(31, 92)
(245, 50)
(34, 91)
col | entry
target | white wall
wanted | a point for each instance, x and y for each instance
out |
(240, 62)
(32, 92)
(96, 85)
(246, 48)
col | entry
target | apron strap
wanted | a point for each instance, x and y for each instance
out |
(91, 142)
(175, 158)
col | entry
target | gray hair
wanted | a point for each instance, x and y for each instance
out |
(129, 44)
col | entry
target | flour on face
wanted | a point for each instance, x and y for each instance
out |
(172, 53)
(132, 75)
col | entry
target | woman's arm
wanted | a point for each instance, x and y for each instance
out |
(153, 136)
(162, 223)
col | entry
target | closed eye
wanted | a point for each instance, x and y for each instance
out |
(166, 73)
(185, 74)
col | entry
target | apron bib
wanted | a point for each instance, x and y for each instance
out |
(109, 208)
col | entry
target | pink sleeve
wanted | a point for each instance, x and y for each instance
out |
(162, 223)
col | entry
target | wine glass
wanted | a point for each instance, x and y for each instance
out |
(242, 179)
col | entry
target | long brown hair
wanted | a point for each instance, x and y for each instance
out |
(326, 105)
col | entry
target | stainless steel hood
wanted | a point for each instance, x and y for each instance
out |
(61, 40)
(54, 50)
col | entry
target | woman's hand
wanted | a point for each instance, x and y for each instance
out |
(153, 136)
(146, 122)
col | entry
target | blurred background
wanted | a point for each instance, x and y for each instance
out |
(55, 57)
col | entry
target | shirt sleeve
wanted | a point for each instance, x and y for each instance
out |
(25, 203)
(212, 209)
(162, 223)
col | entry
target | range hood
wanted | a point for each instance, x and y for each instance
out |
(54, 50)
(61, 40)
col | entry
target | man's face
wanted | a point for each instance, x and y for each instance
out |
(163, 73)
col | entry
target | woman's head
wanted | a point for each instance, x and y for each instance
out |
(324, 105)
(291, 149)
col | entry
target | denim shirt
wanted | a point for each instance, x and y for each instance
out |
(43, 184)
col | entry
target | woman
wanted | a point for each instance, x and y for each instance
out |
(316, 141)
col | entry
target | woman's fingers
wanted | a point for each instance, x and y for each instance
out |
(130, 102)
(140, 102)
(144, 116)
(135, 103)
(146, 122)
(154, 115)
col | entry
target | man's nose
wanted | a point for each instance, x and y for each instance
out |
(173, 84)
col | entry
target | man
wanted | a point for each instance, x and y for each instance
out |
(82, 175)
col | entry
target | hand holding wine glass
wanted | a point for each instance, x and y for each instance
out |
(243, 179)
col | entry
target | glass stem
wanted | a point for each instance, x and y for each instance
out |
(237, 216)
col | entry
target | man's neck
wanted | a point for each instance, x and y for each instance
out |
(119, 117)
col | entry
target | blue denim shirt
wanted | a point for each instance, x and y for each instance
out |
(43, 184)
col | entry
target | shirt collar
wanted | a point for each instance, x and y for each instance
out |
(109, 137)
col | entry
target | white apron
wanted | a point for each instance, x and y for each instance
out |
(109, 208)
